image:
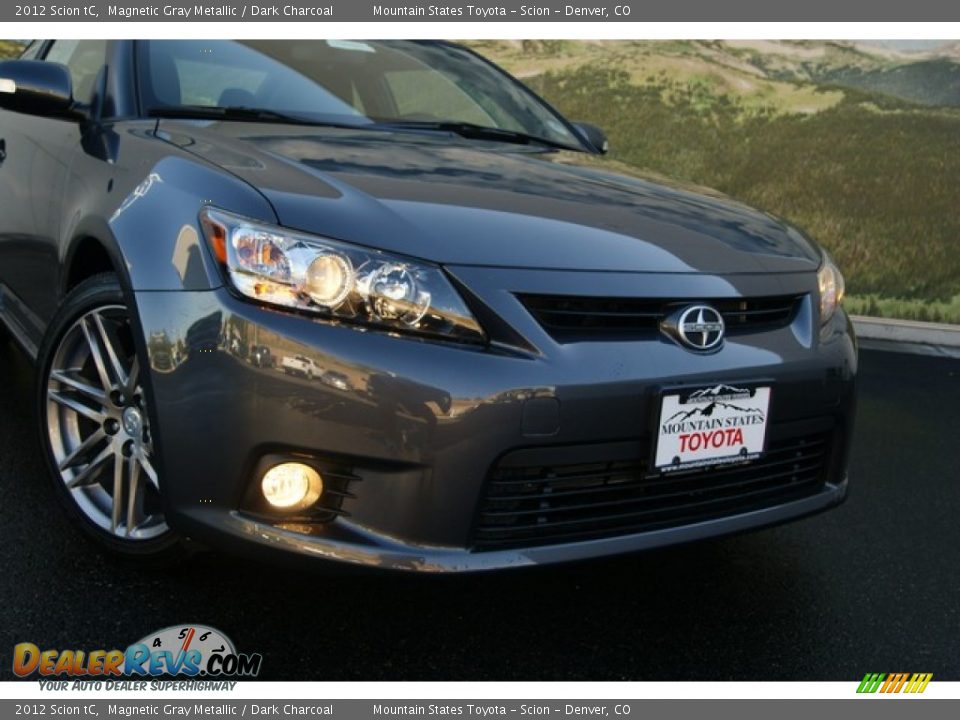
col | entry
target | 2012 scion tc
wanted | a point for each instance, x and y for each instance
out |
(377, 302)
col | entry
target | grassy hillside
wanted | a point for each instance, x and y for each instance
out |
(874, 178)
(10, 48)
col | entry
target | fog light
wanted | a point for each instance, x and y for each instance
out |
(291, 486)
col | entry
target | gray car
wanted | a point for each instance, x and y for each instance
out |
(525, 352)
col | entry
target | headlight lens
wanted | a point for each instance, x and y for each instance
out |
(832, 287)
(337, 280)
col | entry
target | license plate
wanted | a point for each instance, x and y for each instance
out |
(711, 426)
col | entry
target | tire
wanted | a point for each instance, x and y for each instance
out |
(94, 425)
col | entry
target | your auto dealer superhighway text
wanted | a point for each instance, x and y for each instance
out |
(224, 11)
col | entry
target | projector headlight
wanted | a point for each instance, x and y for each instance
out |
(832, 287)
(337, 280)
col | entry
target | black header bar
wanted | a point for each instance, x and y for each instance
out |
(612, 11)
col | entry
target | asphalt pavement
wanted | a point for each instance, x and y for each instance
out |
(873, 586)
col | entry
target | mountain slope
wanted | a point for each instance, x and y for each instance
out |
(927, 82)
(771, 72)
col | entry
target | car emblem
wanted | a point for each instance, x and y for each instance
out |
(700, 327)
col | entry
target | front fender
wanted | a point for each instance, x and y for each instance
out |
(155, 230)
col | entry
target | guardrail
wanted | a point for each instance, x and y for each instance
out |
(922, 338)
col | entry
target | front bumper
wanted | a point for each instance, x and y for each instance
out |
(420, 425)
(375, 551)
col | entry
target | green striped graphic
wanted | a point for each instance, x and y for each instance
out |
(871, 682)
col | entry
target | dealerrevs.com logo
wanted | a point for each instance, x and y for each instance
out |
(181, 650)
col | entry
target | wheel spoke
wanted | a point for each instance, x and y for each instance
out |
(77, 406)
(83, 449)
(109, 344)
(95, 353)
(148, 469)
(117, 491)
(134, 377)
(78, 384)
(85, 476)
(134, 497)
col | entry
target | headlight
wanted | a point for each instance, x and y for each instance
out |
(831, 289)
(337, 280)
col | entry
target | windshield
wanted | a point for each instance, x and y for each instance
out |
(344, 81)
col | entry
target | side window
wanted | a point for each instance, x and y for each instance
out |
(84, 59)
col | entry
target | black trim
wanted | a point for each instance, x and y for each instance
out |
(552, 495)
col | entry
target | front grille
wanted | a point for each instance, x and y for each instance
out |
(527, 505)
(571, 318)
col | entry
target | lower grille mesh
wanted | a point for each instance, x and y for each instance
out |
(526, 506)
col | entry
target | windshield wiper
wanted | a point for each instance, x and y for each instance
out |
(254, 114)
(473, 131)
(242, 113)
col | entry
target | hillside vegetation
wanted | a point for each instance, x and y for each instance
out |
(928, 82)
(10, 48)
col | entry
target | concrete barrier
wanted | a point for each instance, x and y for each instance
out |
(909, 336)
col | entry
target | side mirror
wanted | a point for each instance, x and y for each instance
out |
(595, 137)
(35, 87)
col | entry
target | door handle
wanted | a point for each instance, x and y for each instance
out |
(3, 149)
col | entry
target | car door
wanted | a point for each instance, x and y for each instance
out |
(36, 156)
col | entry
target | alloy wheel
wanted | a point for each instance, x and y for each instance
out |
(98, 427)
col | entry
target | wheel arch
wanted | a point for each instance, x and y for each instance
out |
(90, 248)
(88, 255)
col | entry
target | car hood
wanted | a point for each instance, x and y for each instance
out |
(460, 202)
